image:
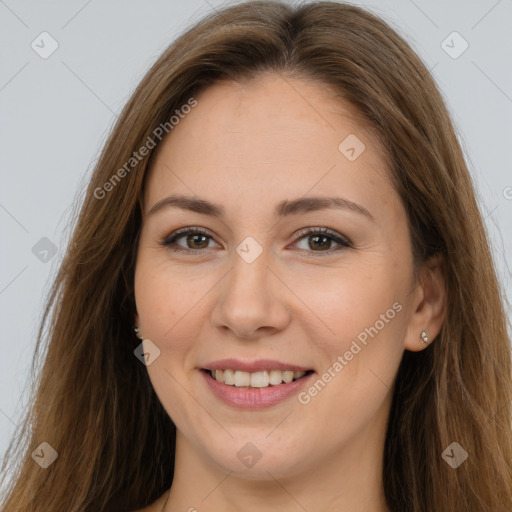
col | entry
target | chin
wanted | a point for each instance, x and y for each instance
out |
(260, 458)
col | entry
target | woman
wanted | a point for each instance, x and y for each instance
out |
(199, 339)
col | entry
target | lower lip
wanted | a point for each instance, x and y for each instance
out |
(254, 398)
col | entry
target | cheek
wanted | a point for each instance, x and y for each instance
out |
(361, 355)
(343, 302)
(168, 304)
(363, 322)
(166, 298)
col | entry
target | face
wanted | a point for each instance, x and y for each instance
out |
(274, 281)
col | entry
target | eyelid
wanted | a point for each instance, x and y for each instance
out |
(337, 237)
(179, 233)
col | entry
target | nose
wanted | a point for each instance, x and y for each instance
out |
(251, 300)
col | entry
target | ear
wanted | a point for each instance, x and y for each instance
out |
(429, 304)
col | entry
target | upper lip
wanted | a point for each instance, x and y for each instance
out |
(253, 366)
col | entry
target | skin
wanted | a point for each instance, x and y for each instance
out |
(249, 146)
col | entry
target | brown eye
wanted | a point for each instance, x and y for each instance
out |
(196, 240)
(193, 241)
(320, 240)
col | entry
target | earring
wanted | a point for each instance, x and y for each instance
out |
(137, 330)
(424, 337)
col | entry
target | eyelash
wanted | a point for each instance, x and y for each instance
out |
(343, 242)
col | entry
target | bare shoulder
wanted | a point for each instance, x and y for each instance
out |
(156, 506)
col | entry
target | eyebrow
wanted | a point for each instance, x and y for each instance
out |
(283, 209)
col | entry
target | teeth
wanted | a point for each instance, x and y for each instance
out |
(288, 376)
(229, 377)
(242, 379)
(259, 379)
(262, 379)
(275, 377)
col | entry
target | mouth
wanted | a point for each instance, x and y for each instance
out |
(260, 379)
(256, 384)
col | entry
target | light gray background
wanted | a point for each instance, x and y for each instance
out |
(55, 114)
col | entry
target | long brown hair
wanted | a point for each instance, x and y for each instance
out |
(92, 400)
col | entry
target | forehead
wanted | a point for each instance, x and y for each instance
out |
(267, 139)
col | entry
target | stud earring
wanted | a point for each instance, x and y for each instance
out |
(424, 337)
(137, 330)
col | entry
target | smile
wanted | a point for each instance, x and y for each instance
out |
(260, 379)
(255, 390)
